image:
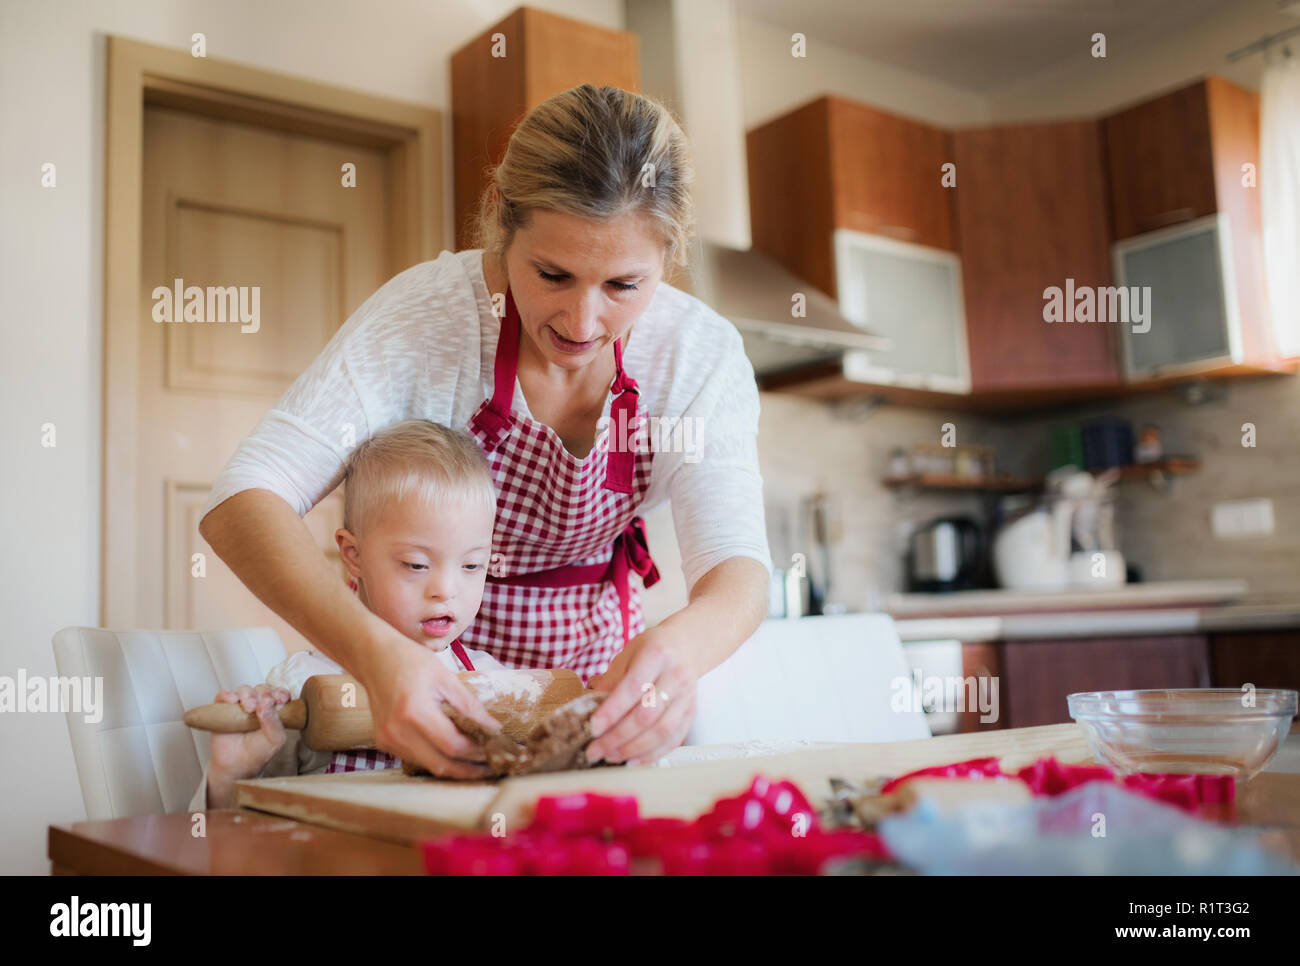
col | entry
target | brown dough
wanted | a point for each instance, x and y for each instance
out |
(557, 743)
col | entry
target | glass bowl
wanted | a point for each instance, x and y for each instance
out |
(1205, 731)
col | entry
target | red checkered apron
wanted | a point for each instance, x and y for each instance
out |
(567, 538)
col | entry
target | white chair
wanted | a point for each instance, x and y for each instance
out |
(814, 678)
(140, 758)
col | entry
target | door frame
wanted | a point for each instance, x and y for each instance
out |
(141, 74)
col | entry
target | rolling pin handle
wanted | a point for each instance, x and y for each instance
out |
(227, 718)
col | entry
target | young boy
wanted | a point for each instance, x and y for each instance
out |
(418, 513)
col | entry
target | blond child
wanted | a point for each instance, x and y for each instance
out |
(418, 513)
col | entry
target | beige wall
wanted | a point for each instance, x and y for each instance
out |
(1167, 532)
(806, 447)
(773, 82)
(52, 58)
(1140, 66)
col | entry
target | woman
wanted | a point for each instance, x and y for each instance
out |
(552, 346)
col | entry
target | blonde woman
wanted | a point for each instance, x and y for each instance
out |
(559, 348)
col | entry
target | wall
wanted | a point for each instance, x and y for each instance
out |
(52, 63)
(1137, 67)
(807, 447)
(1166, 532)
(773, 82)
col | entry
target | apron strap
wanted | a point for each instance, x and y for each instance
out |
(459, 650)
(621, 458)
(495, 419)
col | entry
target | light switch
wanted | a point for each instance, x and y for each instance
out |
(1238, 519)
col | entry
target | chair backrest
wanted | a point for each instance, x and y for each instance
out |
(139, 758)
(814, 678)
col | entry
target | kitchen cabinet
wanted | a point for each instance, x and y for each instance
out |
(1189, 229)
(495, 80)
(967, 675)
(1161, 162)
(852, 199)
(1031, 203)
(1035, 206)
(981, 659)
(1037, 676)
(886, 175)
(1266, 659)
(834, 163)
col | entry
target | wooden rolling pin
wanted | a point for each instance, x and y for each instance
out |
(335, 717)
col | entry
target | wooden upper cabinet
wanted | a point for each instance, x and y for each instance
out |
(1179, 157)
(1031, 203)
(790, 200)
(834, 164)
(495, 82)
(885, 175)
(1161, 163)
(1184, 156)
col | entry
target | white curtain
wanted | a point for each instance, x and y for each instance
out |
(1279, 184)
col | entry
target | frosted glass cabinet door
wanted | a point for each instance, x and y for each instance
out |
(1185, 278)
(912, 295)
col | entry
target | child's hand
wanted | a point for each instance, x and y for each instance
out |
(244, 754)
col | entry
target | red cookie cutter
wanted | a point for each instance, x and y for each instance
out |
(769, 829)
(1047, 776)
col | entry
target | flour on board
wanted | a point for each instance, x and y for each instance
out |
(501, 684)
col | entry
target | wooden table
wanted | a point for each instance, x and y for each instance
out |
(246, 842)
(238, 842)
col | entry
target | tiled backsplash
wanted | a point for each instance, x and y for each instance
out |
(806, 447)
(1167, 533)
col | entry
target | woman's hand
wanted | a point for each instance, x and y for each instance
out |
(651, 702)
(406, 685)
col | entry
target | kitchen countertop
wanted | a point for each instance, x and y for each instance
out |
(1159, 593)
(1091, 615)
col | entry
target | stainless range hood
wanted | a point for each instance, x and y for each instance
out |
(756, 294)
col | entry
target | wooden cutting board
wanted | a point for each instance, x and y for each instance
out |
(389, 805)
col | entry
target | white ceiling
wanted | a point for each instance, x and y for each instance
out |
(978, 45)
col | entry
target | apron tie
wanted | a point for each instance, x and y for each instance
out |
(631, 555)
(622, 413)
